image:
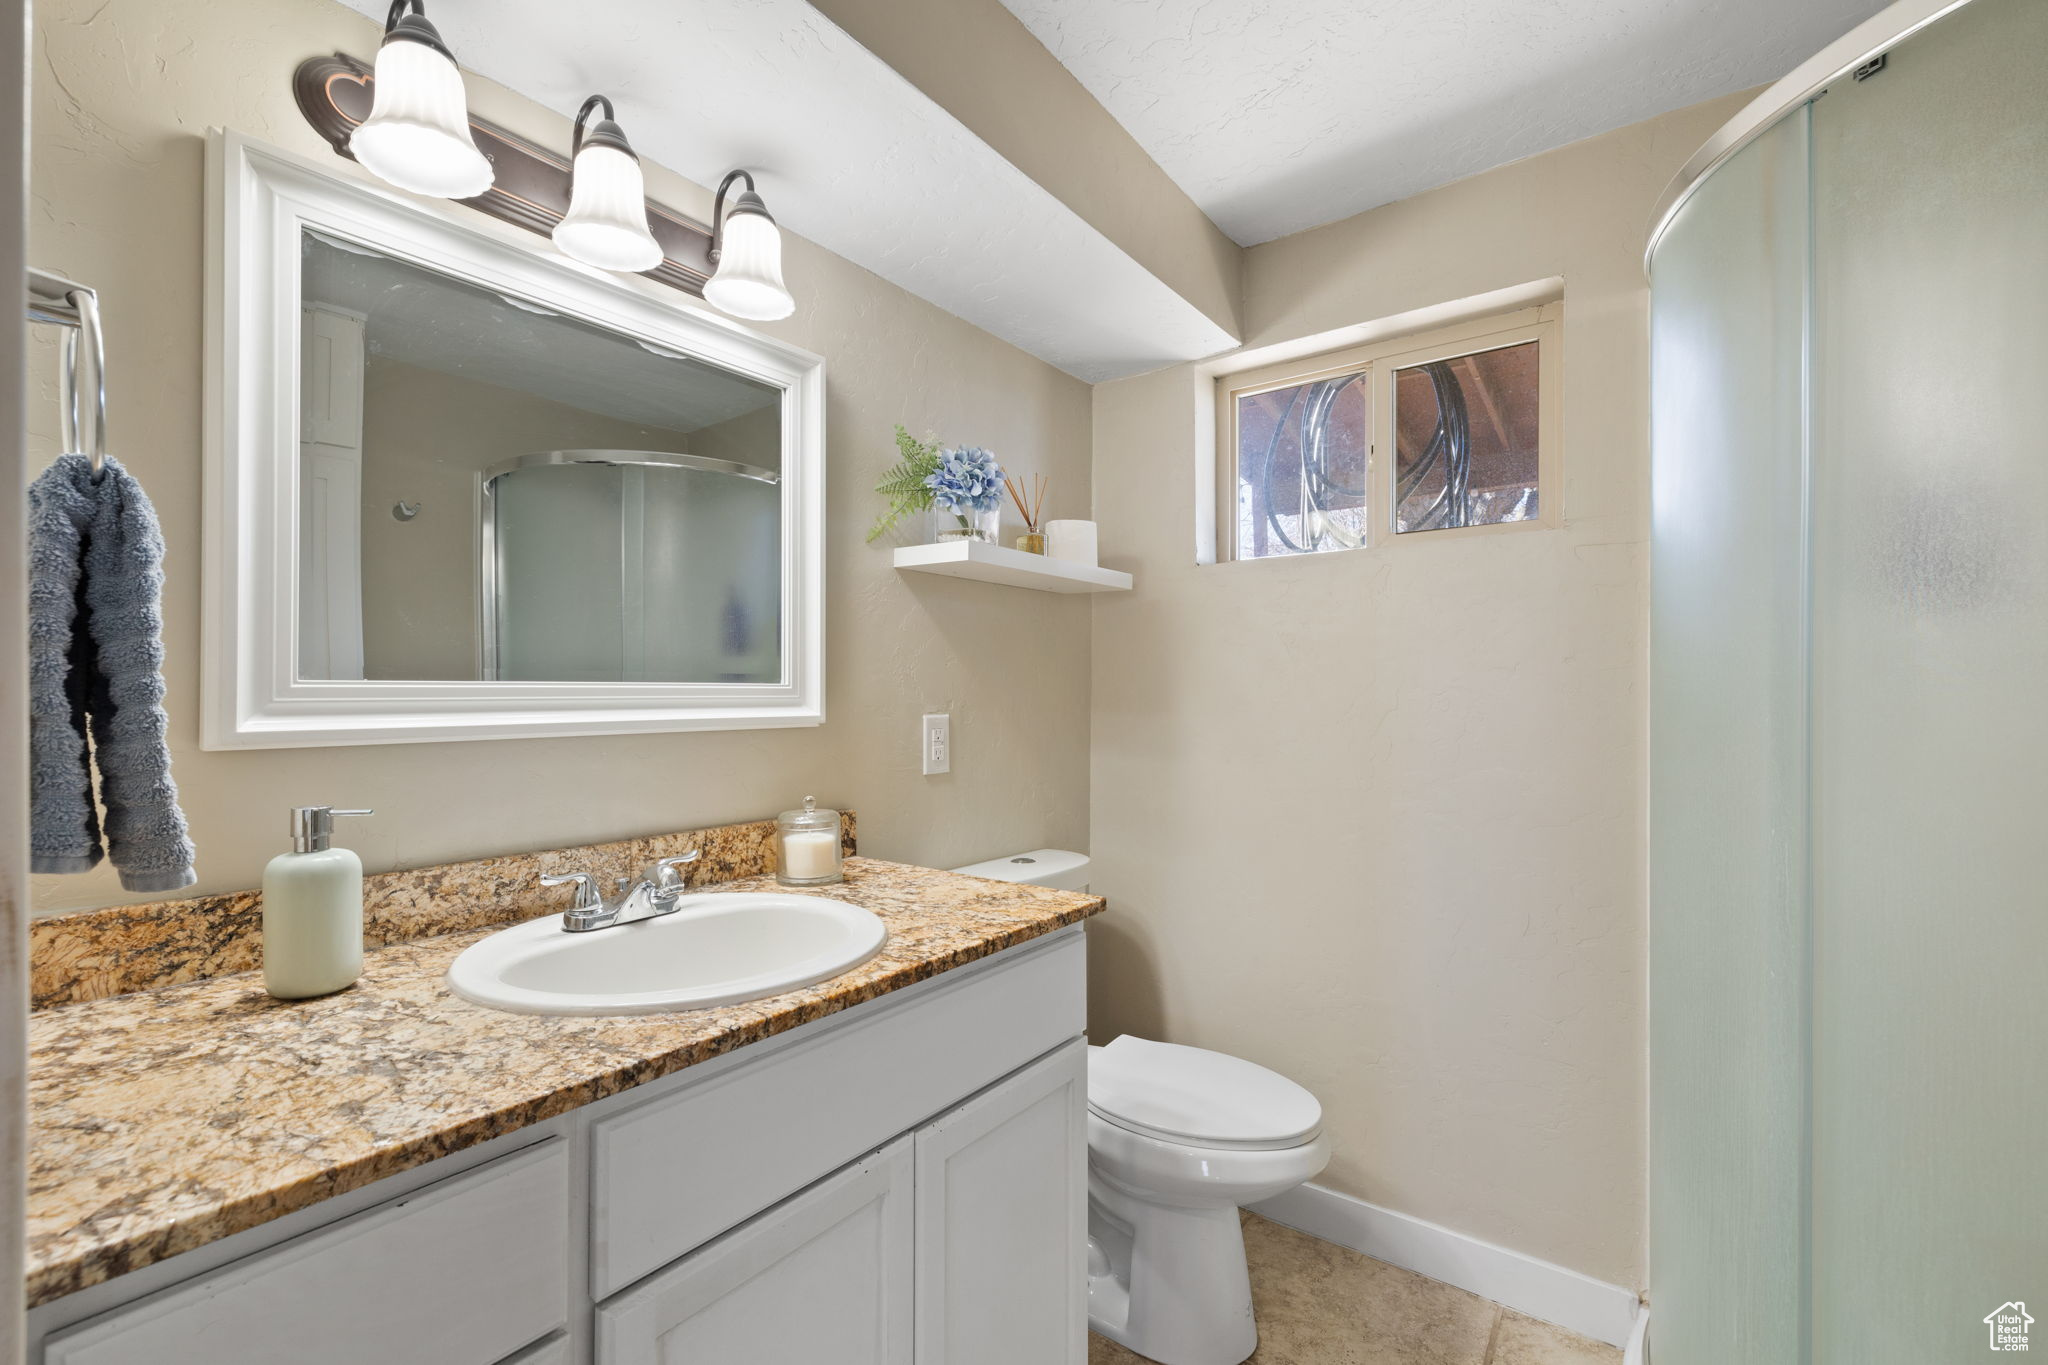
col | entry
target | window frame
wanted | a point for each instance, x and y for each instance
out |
(1381, 360)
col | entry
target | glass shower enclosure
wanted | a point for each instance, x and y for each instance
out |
(630, 566)
(1849, 713)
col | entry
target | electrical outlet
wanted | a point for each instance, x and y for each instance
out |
(938, 745)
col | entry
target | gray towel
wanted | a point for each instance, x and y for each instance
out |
(95, 664)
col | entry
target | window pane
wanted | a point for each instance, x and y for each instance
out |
(1301, 463)
(1465, 440)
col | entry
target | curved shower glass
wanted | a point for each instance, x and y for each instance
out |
(631, 566)
(1728, 797)
(1849, 1033)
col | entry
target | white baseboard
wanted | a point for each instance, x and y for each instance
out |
(1604, 1312)
(1638, 1351)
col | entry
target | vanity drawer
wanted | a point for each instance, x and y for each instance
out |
(461, 1272)
(673, 1173)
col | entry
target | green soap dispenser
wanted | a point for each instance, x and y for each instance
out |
(313, 910)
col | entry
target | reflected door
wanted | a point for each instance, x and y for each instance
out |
(613, 571)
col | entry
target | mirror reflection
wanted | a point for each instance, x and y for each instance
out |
(490, 490)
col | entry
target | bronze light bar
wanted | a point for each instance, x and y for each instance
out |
(531, 184)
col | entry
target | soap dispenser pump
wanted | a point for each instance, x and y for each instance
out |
(313, 910)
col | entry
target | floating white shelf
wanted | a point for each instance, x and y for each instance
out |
(994, 564)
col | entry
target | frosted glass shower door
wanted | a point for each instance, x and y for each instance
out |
(1728, 776)
(558, 594)
(1849, 712)
(710, 560)
(1930, 705)
(606, 571)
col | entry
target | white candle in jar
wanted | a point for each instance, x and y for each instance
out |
(810, 854)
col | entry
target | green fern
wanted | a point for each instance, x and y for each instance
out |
(904, 484)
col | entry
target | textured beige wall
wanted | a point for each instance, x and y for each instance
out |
(1376, 819)
(977, 61)
(124, 91)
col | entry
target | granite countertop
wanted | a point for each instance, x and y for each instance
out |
(165, 1119)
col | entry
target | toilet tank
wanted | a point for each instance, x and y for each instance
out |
(1054, 867)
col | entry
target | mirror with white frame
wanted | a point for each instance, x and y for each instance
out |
(464, 488)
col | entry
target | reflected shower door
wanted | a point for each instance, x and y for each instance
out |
(599, 571)
(557, 589)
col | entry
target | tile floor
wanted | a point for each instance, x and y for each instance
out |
(1320, 1304)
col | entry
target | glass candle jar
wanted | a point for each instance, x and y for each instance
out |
(807, 846)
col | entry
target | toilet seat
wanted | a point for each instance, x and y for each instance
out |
(1194, 1097)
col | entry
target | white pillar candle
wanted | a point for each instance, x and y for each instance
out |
(809, 855)
(1073, 541)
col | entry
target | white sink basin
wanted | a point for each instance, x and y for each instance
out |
(714, 949)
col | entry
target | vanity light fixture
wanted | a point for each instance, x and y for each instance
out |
(746, 256)
(417, 136)
(606, 225)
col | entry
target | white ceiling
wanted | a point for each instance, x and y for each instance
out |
(418, 317)
(847, 153)
(1279, 115)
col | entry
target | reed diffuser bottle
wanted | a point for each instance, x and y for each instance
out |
(1032, 542)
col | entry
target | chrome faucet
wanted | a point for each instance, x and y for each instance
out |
(658, 890)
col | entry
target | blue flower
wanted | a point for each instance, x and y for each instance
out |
(968, 479)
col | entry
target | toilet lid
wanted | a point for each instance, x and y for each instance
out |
(1209, 1099)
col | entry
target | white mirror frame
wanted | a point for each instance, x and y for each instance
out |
(258, 200)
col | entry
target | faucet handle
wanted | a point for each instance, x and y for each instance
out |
(662, 871)
(588, 897)
(662, 874)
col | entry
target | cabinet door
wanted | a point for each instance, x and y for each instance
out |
(1002, 1221)
(825, 1276)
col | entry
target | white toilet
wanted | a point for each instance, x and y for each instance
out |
(1178, 1139)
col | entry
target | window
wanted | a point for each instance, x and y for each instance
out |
(1445, 433)
(1303, 454)
(1466, 433)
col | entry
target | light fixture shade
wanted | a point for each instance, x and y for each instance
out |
(417, 135)
(606, 225)
(748, 283)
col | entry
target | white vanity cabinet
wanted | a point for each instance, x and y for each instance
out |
(963, 1244)
(900, 1183)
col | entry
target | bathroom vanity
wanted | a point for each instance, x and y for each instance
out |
(897, 1179)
